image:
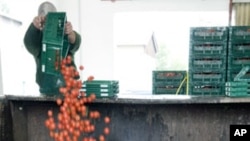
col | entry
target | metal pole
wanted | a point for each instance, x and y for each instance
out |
(230, 12)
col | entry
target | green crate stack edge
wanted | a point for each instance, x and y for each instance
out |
(207, 60)
(169, 82)
(101, 88)
(238, 58)
(54, 43)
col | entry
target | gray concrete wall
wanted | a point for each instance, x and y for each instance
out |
(141, 122)
(6, 133)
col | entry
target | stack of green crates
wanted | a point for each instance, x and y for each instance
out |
(207, 60)
(237, 89)
(240, 86)
(169, 82)
(238, 50)
(54, 43)
(238, 61)
(101, 88)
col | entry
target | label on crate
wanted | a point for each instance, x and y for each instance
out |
(104, 94)
(104, 86)
(104, 90)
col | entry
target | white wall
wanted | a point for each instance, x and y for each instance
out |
(93, 19)
(136, 74)
(97, 27)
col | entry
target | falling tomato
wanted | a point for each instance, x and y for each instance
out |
(106, 131)
(81, 67)
(107, 120)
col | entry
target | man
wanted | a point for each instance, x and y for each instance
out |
(49, 84)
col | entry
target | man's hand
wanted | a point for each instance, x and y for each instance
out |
(70, 32)
(38, 22)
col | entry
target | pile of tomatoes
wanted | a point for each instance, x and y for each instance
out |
(74, 121)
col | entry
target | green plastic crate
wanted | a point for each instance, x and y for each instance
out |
(208, 48)
(208, 33)
(100, 84)
(169, 90)
(239, 33)
(101, 88)
(100, 93)
(211, 62)
(239, 48)
(53, 32)
(241, 76)
(238, 61)
(206, 89)
(55, 43)
(167, 83)
(207, 76)
(237, 89)
(237, 84)
(169, 76)
(237, 94)
(232, 73)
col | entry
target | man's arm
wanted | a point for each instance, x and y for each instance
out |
(32, 40)
(76, 44)
(73, 37)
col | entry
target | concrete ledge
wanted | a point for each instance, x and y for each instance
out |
(148, 99)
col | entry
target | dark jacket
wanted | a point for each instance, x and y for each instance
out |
(33, 43)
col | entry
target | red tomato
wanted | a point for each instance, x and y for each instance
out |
(81, 67)
(106, 131)
(90, 78)
(59, 101)
(50, 113)
(107, 120)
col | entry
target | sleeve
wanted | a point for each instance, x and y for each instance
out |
(74, 47)
(32, 40)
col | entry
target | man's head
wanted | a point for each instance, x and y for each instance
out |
(46, 7)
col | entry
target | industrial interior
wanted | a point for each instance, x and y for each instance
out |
(124, 70)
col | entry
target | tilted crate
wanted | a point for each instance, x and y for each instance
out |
(54, 43)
